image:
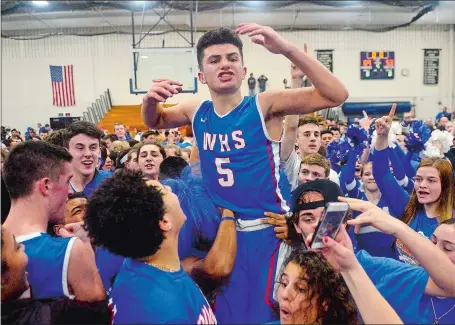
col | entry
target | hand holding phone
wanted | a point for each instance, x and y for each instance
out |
(330, 223)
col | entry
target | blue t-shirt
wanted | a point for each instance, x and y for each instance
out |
(402, 285)
(424, 226)
(441, 307)
(108, 265)
(100, 175)
(143, 294)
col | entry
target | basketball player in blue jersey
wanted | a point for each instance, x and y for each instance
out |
(239, 143)
(82, 139)
(143, 219)
(37, 176)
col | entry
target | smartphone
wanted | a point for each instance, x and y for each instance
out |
(330, 223)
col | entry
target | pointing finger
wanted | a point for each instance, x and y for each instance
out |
(392, 111)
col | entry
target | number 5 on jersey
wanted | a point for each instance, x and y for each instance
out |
(227, 179)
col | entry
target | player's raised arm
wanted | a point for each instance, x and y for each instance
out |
(327, 90)
(155, 117)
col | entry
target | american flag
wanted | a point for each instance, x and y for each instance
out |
(62, 85)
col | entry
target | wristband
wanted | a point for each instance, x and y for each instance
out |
(227, 218)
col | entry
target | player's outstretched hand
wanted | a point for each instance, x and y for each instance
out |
(267, 37)
(383, 124)
(372, 215)
(339, 252)
(163, 89)
(279, 221)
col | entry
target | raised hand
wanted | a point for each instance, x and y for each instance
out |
(279, 221)
(365, 122)
(163, 89)
(267, 37)
(296, 73)
(372, 215)
(383, 124)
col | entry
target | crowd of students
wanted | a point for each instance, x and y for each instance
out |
(212, 223)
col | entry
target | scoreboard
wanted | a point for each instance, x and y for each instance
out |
(377, 65)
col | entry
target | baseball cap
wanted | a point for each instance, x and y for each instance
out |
(329, 190)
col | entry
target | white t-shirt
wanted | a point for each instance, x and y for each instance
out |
(292, 168)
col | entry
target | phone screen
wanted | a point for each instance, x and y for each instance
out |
(329, 226)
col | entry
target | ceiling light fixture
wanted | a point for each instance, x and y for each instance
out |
(40, 3)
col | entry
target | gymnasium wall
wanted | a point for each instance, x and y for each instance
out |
(102, 62)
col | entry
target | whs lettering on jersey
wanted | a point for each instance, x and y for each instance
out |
(214, 141)
(206, 316)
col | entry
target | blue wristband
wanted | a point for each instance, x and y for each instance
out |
(227, 218)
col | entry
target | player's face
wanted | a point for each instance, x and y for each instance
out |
(309, 138)
(150, 159)
(326, 138)
(85, 151)
(75, 210)
(60, 189)
(427, 185)
(14, 279)
(401, 143)
(310, 173)
(119, 131)
(367, 178)
(444, 238)
(308, 221)
(133, 163)
(172, 207)
(295, 306)
(222, 68)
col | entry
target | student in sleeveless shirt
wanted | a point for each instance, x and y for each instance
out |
(140, 219)
(19, 308)
(37, 176)
(239, 139)
(433, 198)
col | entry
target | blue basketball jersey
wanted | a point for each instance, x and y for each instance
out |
(48, 259)
(143, 294)
(239, 161)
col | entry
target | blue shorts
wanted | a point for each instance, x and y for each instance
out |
(248, 296)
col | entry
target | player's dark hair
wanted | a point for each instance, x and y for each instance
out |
(56, 137)
(326, 132)
(218, 36)
(146, 143)
(31, 161)
(325, 287)
(172, 167)
(77, 195)
(81, 127)
(131, 211)
(308, 119)
(334, 129)
(132, 143)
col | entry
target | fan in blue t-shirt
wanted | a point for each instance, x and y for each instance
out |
(430, 200)
(143, 226)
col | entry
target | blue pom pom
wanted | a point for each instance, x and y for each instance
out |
(413, 143)
(203, 217)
